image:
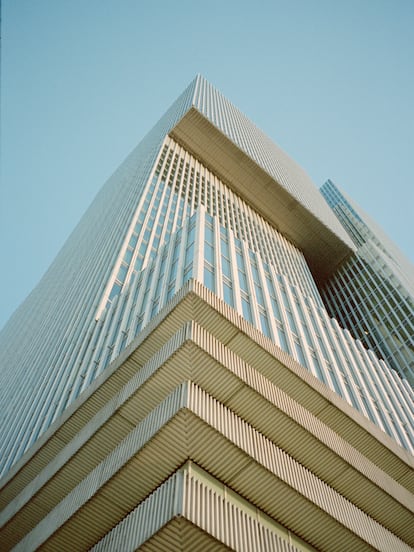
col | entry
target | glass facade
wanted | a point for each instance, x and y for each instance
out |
(372, 293)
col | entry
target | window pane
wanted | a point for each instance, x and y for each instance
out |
(247, 311)
(209, 278)
(259, 295)
(115, 291)
(122, 273)
(282, 339)
(209, 234)
(265, 324)
(209, 253)
(243, 281)
(228, 294)
(300, 355)
(128, 255)
(226, 267)
(276, 311)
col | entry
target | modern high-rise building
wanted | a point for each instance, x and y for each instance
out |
(372, 294)
(176, 380)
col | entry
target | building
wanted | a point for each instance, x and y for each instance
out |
(372, 294)
(175, 381)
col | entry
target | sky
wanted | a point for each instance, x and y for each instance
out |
(82, 81)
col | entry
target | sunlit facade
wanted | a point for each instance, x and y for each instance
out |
(175, 380)
(373, 292)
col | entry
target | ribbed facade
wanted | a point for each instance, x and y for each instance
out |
(175, 380)
(372, 294)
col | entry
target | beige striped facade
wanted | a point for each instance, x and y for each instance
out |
(204, 435)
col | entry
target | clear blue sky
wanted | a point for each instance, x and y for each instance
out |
(82, 81)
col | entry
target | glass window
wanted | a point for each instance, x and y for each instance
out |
(282, 339)
(228, 294)
(209, 253)
(318, 368)
(173, 272)
(275, 307)
(116, 289)
(299, 353)
(259, 295)
(209, 277)
(189, 254)
(170, 292)
(133, 240)
(307, 335)
(155, 305)
(264, 324)
(187, 273)
(122, 273)
(138, 227)
(247, 311)
(291, 322)
(209, 234)
(128, 255)
(243, 281)
(225, 264)
(138, 325)
(225, 248)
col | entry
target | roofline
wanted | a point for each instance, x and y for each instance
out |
(323, 248)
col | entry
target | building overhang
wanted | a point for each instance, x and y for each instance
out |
(200, 339)
(323, 248)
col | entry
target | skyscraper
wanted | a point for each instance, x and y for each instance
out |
(372, 294)
(175, 380)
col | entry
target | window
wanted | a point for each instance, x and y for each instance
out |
(209, 277)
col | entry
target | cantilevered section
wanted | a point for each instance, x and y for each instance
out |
(256, 421)
(323, 245)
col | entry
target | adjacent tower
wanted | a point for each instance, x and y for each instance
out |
(372, 294)
(175, 380)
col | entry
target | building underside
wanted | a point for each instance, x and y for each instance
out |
(236, 444)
